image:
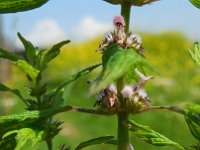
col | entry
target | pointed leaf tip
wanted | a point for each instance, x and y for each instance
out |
(195, 53)
(150, 136)
(30, 50)
(54, 51)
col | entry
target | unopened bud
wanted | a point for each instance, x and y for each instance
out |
(109, 38)
(118, 21)
(130, 39)
(138, 39)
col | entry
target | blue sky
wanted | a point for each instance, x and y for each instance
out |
(81, 20)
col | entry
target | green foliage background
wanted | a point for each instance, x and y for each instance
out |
(177, 82)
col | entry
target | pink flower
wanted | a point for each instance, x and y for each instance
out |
(112, 88)
(127, 91)
(142, 93)
(118, 21)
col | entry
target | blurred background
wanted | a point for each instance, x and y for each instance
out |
(168, 29)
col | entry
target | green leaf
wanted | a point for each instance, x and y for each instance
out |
(133, 2)
(8, 55)
(24, 135)
(150, 136)
(99, 140)
(196, 3)
(27, 68)
(116, 63)
(12, 6)
(8, 143)
(14, 91)
(14, 121)
(194, 127)
(54, 51)
(11, 125)
(29, 49)
(58, 99)
(19, 62)
(64, 147)
(192, 116)
(196, 146)
(190, 110)
(195, 53)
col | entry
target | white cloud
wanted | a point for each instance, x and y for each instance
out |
(89, 28)
(44, 33)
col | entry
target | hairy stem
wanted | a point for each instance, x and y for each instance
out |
(123, 134)
(151, 108)
(97, 112)
(84, 110)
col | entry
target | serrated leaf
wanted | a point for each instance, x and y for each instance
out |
(8, 143)
(14, 91)
(58, 99)
(196, 3)
(116, 63)
(19, 62)
(195, 53)
(192, 111)
(54, 51)
(133, 2)
(64, 147)
(150, 136)
(8, 55)
(27, 68)
(11, 124)
(99, 140)
(29, 49)
(194, 128)
(196, 146)
(14, 121)
(12, 6)
(192, 116)
(24, 135)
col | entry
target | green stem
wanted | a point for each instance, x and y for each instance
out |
(37, 85)
(120, 85)
(123, 134)
(49, 144)
(125, 12)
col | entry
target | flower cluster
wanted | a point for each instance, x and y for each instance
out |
(134, 96)
(119, 36)
(107, 98)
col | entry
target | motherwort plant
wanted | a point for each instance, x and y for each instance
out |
(118, 88)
